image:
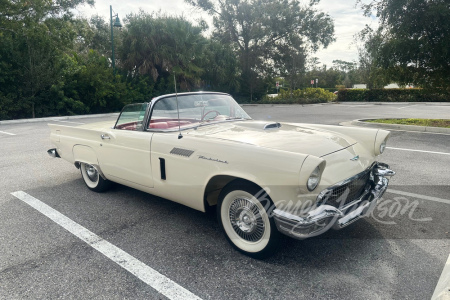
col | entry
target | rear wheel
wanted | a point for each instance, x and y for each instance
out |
(92, 178)
(242, 214)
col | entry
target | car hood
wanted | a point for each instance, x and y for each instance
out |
(298, 138)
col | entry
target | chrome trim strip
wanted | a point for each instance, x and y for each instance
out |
(152, 103)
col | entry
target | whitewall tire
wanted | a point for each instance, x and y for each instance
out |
(92, 178)
(244, 219)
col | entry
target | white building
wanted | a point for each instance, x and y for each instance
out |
(396, 86)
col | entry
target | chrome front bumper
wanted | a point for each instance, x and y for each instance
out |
(324, 217)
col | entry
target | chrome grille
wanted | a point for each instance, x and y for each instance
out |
(347, 192)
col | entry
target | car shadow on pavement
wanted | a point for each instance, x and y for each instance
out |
(188, 247)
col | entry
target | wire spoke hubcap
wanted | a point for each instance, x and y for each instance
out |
(246, 219)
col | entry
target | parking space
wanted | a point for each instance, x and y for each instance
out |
(396, 253)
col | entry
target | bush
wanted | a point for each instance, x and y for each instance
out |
(394, 95)
(331, 89)
(305, 96)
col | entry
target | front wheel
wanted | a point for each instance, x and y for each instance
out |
(92, 178)
(242, 213)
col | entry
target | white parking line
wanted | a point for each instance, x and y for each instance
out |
(153, 278)
(413, 150)
(442, 290)
(7, 133)
(67, 122)
(407, 106)
(423, 197)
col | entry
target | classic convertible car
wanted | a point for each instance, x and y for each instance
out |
(265, 178)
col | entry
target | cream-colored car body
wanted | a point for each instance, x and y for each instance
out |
(279, 160)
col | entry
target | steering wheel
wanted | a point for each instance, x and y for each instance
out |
(214, 111)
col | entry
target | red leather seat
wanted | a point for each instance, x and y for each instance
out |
(159, 125)
(175, 123)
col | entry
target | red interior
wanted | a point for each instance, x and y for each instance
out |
(127, 126)
(167, 123)
(156, 124)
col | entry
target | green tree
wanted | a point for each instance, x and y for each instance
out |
(158, 46)
(262, 32)
(328, 77)
(368, 71)
(100, 36)
(413, 40)
(220, 67)
(290, 65)
(36, 34)
(87, 85)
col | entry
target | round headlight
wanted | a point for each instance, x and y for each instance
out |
(382, 147)
(313, 179)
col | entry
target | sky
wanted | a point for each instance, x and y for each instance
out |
(348, 20)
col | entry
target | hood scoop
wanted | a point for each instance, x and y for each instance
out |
(272, 125)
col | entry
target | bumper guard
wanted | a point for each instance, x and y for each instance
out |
(324, 217)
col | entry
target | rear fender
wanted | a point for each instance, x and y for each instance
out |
(85, 154)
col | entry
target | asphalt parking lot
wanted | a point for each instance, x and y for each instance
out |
(399, 252)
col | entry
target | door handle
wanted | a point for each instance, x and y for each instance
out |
(105, 137)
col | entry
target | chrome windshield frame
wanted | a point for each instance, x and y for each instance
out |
(153, 102)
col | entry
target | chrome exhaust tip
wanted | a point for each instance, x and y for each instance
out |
(53, 153)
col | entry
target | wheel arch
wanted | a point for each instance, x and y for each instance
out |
(216, 184)
(85, 154)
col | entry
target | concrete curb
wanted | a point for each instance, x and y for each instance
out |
(393, 103)
(55, 118)
(352, 103)
(285, 104)
(361, 122)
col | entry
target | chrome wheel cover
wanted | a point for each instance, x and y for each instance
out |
(246, 220)
(91, 172)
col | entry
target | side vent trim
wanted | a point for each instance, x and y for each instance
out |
(162, 166)
(181, 152)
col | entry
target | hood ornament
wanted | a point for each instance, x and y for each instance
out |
(355, 158)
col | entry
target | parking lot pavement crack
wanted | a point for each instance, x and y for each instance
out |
(34, 263)
(151, 277)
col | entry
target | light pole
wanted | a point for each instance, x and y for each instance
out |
(116, 24)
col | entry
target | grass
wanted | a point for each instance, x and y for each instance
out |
(418, 122)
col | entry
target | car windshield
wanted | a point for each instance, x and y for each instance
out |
(195, 109)
(131, 117)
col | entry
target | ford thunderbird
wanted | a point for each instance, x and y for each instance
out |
(264, 178)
